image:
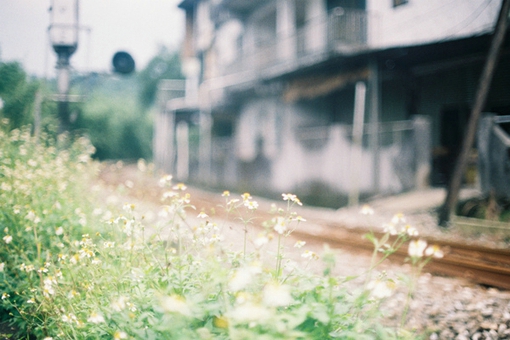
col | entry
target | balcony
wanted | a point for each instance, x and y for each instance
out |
(341, 32)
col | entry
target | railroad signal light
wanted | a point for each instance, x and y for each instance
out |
(123, 63)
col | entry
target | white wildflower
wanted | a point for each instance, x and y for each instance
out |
(248, 312)
(119, 304)
(6, 187)
(127, 207)
(299, 244)
(202, 215)
(175, 304)
(398, 218)
(291, 197)
(308, 254)
(109, 244)
(280, 226)
(416, 248)
(165, 180)
(118, 335)
(434, 251)
(389, 228)
(95, 318)
(241, 278)
(411, 231)
(276, 295)
(366, 210)
(252, 205)
(382, 288)
(260, 241)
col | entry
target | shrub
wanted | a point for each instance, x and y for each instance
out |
(65, 276)
(114, 122)
(41, 195)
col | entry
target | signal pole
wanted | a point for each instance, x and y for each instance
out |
(63, 33)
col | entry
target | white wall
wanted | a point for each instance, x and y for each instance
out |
(422, 21)
(226, 41)
(294, 162)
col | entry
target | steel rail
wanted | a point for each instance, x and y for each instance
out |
(480, 265)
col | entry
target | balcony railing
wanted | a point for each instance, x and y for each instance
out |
(342, 31)
(348, 27)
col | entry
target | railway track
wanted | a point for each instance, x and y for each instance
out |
(480, 265)
(477, 264)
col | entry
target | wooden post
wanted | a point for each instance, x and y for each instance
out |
(481, 95)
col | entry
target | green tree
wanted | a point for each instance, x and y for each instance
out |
(114, 122)
(117, 115)
(165, 65)
(17, 93)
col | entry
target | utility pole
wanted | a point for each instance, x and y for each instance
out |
(63, 33)
(481, 95)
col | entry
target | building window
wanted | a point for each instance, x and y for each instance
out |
(399, 2)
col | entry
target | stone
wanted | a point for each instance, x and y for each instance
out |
(471, 307)
(487, 312)
(476, 336)
(458, 305)
(447, 334)
(487, 335)
(502, 328)
(489, 325)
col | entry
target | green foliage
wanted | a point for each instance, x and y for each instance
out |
(165, 65)
(17, 93)
(117, 114)
(41, 195)
(113, 121)
(65, 275)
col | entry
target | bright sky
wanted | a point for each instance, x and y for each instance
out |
(135, 26)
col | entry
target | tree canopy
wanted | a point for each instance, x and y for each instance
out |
(165, 65)
(17, 93)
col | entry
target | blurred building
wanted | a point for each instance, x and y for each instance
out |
(356, 96)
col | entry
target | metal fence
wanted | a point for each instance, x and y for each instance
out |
(408, 140)
(494, 155)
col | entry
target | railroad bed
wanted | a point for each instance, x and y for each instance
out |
(449, 301)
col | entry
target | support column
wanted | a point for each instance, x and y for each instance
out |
(316, 26)
(182, 134)
(205, 143)
(483, 145)
(357, 141)
(63, 92)
(422, 150)
(164, 141)
(375, 96)
(286, 29)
